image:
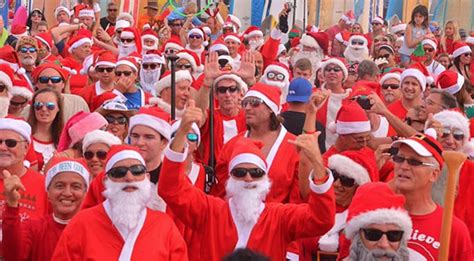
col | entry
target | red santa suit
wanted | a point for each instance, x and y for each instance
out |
(213, 218)
(89, 92)
(91, 235)
(76, 81)
(464, 204)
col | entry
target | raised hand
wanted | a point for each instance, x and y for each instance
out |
(247, 66)
(212, 69)
(377, 104)
(12, 185)
(318, 99)
(192, 114)
(307, 145)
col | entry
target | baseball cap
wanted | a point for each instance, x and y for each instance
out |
(299, 91)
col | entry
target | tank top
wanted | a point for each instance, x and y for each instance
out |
(416, 33)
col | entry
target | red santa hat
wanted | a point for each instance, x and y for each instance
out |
(431, 42)
(129, 61)
(165, 81)
(6, 76)
(252, 31)
(121, 152)
(78, 126)
(454, 119)
(339, 62)
(232, 37)
(120, 24)
(129, 33)
(378, 19)
(460, 48)
(280, 68)
(99, 136)
(194, 127)
(106, 59)
(19, 30)
(356, 165)
(9, 56)
(101, 100)
(197, 31)
(350, 119)
(17, 125)
(63, 164)
(86, 12)
(316, 40)
(154, 118)
(232, 20)
(60, 9)
(173, 43)
(450, 81)
(126, 16)
(470, 40)
(153, 56)
(21, 88)
(45, 39)
(218, 45)
(149, 34)
(343, 37)
(349, 17)
(376, 203)
(232, 76)
(269, 95)
(49, 65)
(247, 150)
(83, 36)
(423, 145)
(392, 74)
(398, 28)
(192, 58)
(419, 72)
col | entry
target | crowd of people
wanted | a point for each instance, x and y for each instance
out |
(173, 137)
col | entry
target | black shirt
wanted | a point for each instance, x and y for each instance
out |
(104, 23)
(294, 122)
(155, 175)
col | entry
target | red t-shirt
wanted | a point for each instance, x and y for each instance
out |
(398, 109)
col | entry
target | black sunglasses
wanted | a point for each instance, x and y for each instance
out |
(252, 101)
(222, 52)
(120, 172)
(391, 86)
(176, 25)
(17, 104)
(345, 181)
(457, 134)
(332, 69)
(112, 10)
(88, 155)
(28, 49)
(230, 89)
(195, 36)
(11, 143)
(170, 51)
(105, 69)
(373, 234)
(119, 120)
(53, 79)
(152, 66)
(467, 54)
(126, 73)
(127, 40)
(242, 172)
(49, 105)
(412, 162)
(184, 66)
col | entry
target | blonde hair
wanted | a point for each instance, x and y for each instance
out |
(456, 36)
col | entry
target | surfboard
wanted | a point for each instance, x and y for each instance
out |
(395, 8)
(257, 12)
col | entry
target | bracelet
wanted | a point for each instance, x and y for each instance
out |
(309, 132)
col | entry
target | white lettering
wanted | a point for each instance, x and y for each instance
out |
(424, 238)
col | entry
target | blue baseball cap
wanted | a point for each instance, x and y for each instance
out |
(299, 91)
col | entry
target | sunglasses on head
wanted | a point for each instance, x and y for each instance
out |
(335, 69)
(357, 42)
(428, 50)
(195, 36)
(49, 105)
(252, 101)
(391, 86)
(242, 172)
(88, 155)
(104, 69)
(127, 40)
(119, 120)
(120, 172)
(151, 66)
(457, 134)
(412, 162)
(53, 79)
(230, 89)
(373, 234)
(184, 66)
(345, 181)
(126, 73)
(276, 76)
(11, 143)
(28, 49)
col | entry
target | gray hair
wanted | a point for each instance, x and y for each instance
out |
(367, 67)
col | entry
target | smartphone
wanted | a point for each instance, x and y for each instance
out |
(364, 102)
(391, 151)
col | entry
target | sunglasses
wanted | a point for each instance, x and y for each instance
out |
(192, 137)
(333, 69)
(457, 134)
(357, 42)
(151, 66)
(17, 104)
(428, 50)
(242, 172)
(386, 56)
(412, 162)
(195, 36)
(345, 181)
(276, 76)
(126, 73)
(49, 105)
(47, 79)
(28, 49)
(410, 121)
(127, 40)
(112, 10)
(88, 155)
(11, 143)
(373, 234)
(467, 54)
(176, 25)
(104, 69)
(120, 172)
(184, 66)
(391, 86)
(253, 101)
(119, 120)
(230, 89)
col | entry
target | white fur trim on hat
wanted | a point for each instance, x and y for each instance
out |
(190, 59)
(128, 63)
(276, 68)
(395, 216)
(232, 38)
(254, 33)
(86, 12)
(378, 19)
(454, 119)
(352, 127)
(273, 106)
(124, 154)
(104, 63)
(153, 58)
(150, 37)
(5, 79)
(387, 76)
(61, 9)
(470, 40)
(338, 63)
(67, 166)
(309, 41)
(22, 91)
(456, 87)
(462, 50)
(196, 31)
(99, 136)
(243, 86)
(182, 75)
(157, 124)
(218, 47)
(79, 43)
(174, 46)
(122, 24)
(398, 28)
(247, 158)
(417, 74)
(349, 168)
(127, 34)
(430, 43)
(18, 126)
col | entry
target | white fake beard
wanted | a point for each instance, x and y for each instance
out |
(247, 197)
(126, 49)
(356, 55)
(146, 48)
(28, 61)
(148, 78)
(282, 85)
(255, 44)
(126, 206)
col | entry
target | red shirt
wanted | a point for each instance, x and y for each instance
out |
(398, 109)
(464, 203)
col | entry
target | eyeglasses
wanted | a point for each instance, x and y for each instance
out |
(230, 89)
(386, 56)
(126, 73)
(184, 66)
(252, 101)
(276, 76)
(104, 69)
(119, 120)
(112, 10)
(120, 172)
(467, 54)
(151, 66)
(412, 162)
(242, 172)
(335, 69)
(11, 143)
(49, 105)
(391, 86)
(17, 104)
(170, 51)
(345, 181)
(357, 42)
(195, 36)
(431, 103)
(192, 137)
(88, 155)
(373, 234)
(428, 50)
(127, 40)
(457, 134)
(28, 49)
(53, 79)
